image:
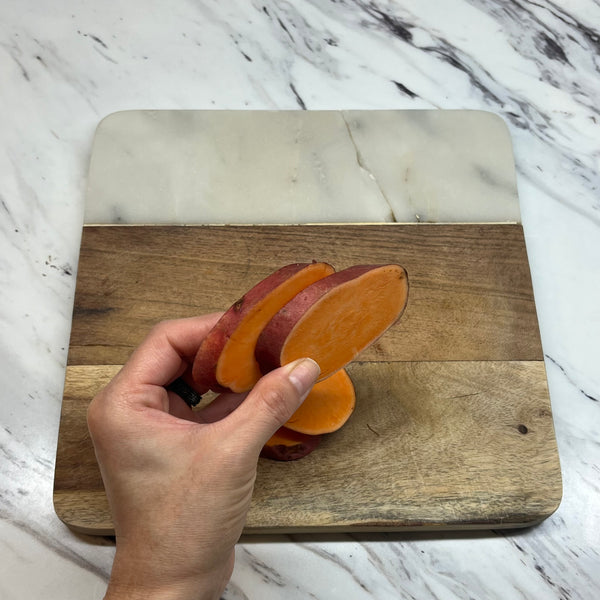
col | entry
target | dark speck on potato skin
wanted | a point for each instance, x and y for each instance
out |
(238, 304)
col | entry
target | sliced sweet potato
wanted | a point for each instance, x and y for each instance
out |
(335, 318)
(289, 445)
(225, 359)
(327, 407)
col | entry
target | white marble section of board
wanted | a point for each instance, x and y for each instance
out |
(263, 167)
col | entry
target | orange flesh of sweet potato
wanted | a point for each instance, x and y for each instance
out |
(225, 360)
(335, 318)
(289, 445)
(327, 407)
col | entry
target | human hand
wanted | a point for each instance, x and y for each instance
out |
(179, 482)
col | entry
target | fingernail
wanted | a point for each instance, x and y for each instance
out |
(303, 374)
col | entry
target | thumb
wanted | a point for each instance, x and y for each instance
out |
(272, 401)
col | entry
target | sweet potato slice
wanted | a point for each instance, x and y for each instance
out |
(335, 318)
(289, 445)
(225, 359)
(327, 407)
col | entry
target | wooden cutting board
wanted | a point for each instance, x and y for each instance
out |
(453, 426)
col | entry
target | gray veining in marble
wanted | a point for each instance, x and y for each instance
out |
(301, 167)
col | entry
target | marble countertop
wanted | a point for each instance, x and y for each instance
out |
(535, 64)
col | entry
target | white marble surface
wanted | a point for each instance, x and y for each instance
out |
(66, 65)
(259, 167)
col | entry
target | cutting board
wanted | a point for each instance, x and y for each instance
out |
(453, 425)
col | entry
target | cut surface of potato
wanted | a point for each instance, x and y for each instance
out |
(225, 359)
(335, 318)
(328, 406)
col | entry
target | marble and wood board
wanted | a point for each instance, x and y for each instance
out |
(453, 426)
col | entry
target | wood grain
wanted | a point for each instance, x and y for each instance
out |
(470, 297)
(453, 425)
(430, 445)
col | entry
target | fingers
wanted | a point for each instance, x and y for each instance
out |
(219, 408)
(271, 403)
(167, 350)
(223, 405)
(166, 354)
(178, 408)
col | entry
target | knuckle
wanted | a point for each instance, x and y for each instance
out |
(92, 416)
(96, 417)
(101, 416)
(159, 329)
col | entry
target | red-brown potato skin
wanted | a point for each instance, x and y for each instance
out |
(205, 363)
(300, 445)
(274, 335)
(207, 357)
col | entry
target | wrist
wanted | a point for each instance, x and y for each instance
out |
(201, 591)
(131, 581)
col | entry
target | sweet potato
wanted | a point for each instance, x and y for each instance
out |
(327, 407)
(225, 360)
(335, 318)
(289, 445)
